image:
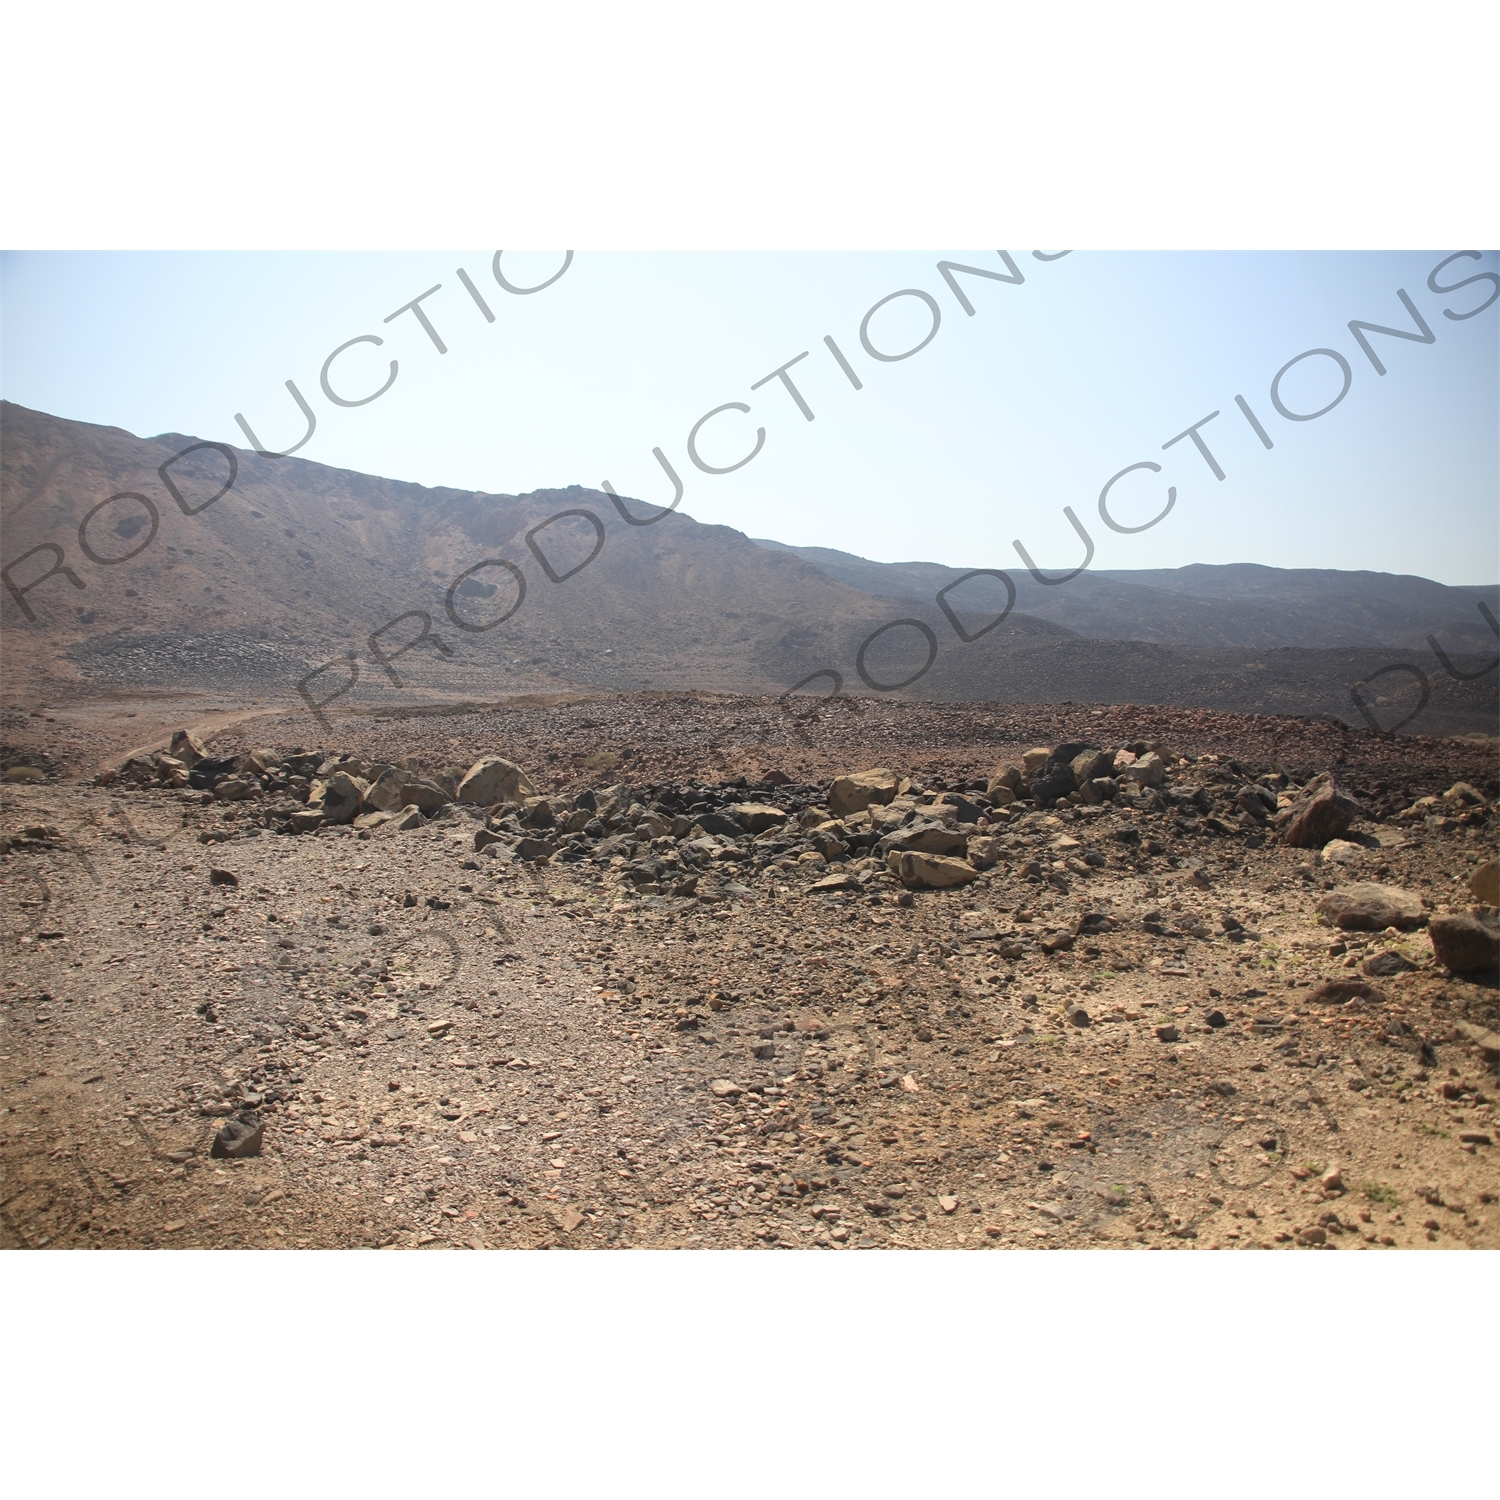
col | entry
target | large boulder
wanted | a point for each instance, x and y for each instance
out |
(925, 837)
(1367, 907)
(1466, 944)
(342, 796)
(1007, 782)
(1321, 812)
(854, 793)
(1485, 883)
(1089, 763)
(933, 872)
(1146, 770)
(387, 792)
(755, 817)
(985, 851)
(614, 801)
(426, 796)
(171, 770)
(408, 817)
(186, 747)
(494, 779)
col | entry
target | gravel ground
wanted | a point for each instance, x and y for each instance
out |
(456, 1051)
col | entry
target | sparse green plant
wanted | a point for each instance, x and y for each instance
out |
(1424, 1129)
(1378, 1192)
(601, 760)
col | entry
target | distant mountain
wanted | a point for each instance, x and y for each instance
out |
(1235, 604)
(299, 564)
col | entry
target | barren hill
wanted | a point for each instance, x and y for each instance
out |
(299, 566)
(1234, 604)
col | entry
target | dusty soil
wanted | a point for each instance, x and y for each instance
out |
(536, 1054)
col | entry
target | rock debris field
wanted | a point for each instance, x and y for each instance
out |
(488, 978)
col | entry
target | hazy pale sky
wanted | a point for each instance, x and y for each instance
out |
(982, 436)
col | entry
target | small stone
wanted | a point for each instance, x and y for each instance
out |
(1340, 991)
(1167, 1033)
(1341, 852)
(1475, 1138)
(1216, 1019)
(1383, 965)
(1332, 1180)
(570, 1219)
(722, 1088)
(948, 1203)
(1316, 1235)
(1078, 1016)
(223, 877)
(239, 1138)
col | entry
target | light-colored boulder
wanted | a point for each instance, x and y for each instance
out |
(426, 796)
(855, 792)
(1089, 763)
(1034, 760)
(1485, 883)
(757, 817)
(387, 792)
(1006, 777)
(342, 796)
(408, 817)
(494, 779)
(172, 770)
(933, 871)
(187, 747)
(1341, 852)
(1148, 770)
(985, 852)
(926, 837)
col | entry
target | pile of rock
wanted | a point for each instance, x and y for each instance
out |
(875, 825)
